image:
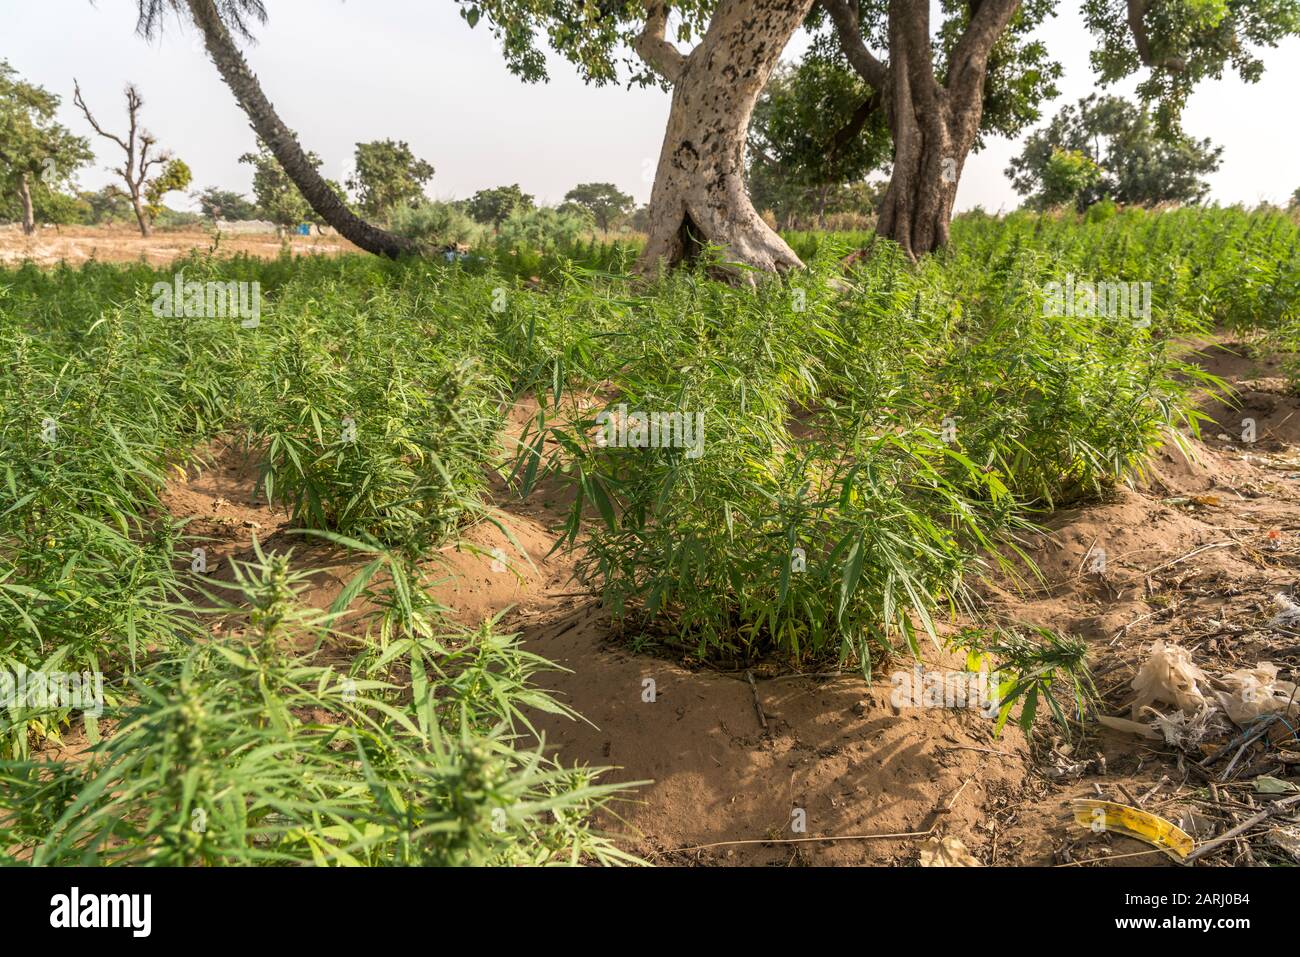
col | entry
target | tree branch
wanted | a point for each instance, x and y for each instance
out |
(76, 98)
(1137, 11)
(970, 57)
(652, 46)
(848, 25)
(853, 128)
(909, 32)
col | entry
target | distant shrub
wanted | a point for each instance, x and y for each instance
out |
(435, 224)
(1101, 211)
(542, 229)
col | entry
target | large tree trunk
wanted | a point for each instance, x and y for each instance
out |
(25, 196)
(699, 194)
(928, 157)
(281, 140)
(934, 125)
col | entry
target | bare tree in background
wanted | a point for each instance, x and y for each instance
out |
(137, 146)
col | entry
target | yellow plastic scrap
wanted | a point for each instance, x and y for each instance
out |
(1133, 822)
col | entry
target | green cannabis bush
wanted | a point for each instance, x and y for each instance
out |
(812, 468)
(241, 752)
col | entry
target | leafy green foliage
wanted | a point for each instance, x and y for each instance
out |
(387, 176)
(241, 752)
(1128, 158)
(175, 175)
(1184, 42)
(383, 434)
(606, 203)
(892, 433)
(110, 204)
(595, 37)
(435, 224)
(1031, 671)
(492, 207)
(815, 128)
(1066, 177)
(34, 149)
(225, 204)
(893, 429)
(542, 229)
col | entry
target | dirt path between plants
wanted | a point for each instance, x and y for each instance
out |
(825, 770)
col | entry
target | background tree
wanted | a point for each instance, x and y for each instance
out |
(816, 127)
(639, 221)
(38, 157)
(606, 203)
(1141, 163)
(108, 205)
(796, 207)
(142, 188)
(215, 19)
(54, 207)
(388, 175)
(983, 73)
(278, 198)
(1068, 177)
(216, 203)
(492, 207)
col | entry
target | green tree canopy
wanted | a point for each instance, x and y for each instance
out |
(110, 204)
(1140, 163)
(387, 175)
(492, 207)
(226, 204)
(815, 128)
(37, 155)
(605, 202)
(1183, 42)
(1067, 177)
(175, 175)
(48, 206)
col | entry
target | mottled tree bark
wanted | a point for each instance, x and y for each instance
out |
(25, 197)
(281, 140)
(699, 196)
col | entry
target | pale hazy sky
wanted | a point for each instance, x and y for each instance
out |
(343, 71)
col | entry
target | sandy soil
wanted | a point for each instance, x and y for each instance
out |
(77, 244)
(1196, 552)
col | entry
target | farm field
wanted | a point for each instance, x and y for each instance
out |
(75, 245)
(519, 560)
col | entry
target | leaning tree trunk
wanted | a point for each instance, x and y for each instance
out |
(699, 196)
(281, 140)
(29, 213)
